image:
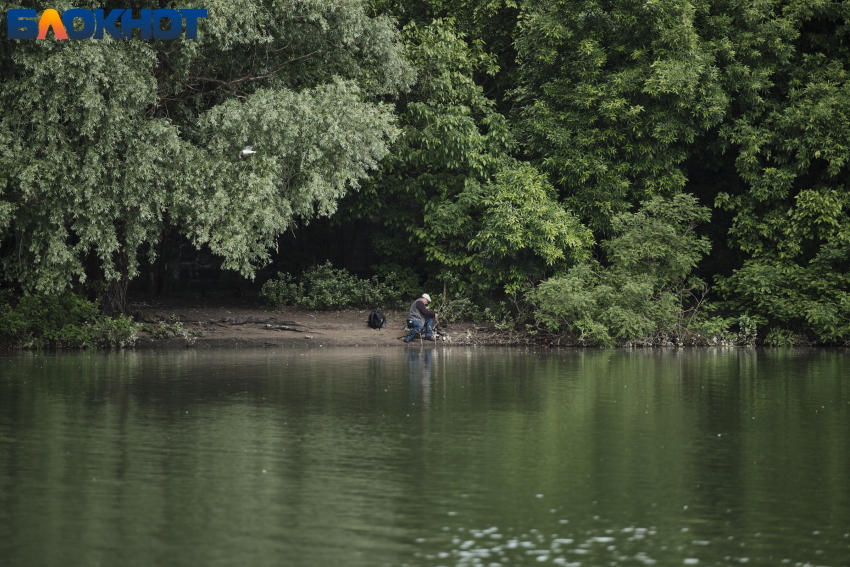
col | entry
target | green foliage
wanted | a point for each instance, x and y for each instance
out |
(466, 206)
(514, 230)
(610, 104)
(613, 96)
(788, 69)
(335, 149)
(66, 320)
(451, 135)
(748, 329)
(645, 294)
(46, 317)
(489, 22)
(780, 338)
(285, 290)
(326, 288)
(659, 240)
(118, 161)
(584, 303)
(813, 298)
(120, 331)
(171, 328)
(500, 315)
(460, 306)
(403, 282)
(617, 97)
(712, 330)
(524, 234)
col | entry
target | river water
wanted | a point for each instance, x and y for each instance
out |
(426, 457)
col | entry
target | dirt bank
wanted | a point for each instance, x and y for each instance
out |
(213, 322)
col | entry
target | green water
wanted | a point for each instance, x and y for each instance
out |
(338, 457)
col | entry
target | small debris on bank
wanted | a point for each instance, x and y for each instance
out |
(283, 328)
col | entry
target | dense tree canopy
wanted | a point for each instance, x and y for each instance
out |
(744, 103)
(613, 96)
(105, 143)
(471, 210)
(492, 145)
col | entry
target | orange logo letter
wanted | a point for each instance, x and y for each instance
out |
(51, 18)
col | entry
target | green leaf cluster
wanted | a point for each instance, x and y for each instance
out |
(646, 295)
(812, 298)
(325, 288)
(105, 144)
(472, 212)
(479, 143)
(612, 98)
(65, 321)
(743, 104)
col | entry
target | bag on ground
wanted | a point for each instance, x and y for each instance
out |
(376, 319)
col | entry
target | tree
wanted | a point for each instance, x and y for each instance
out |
(489, 23)
(105, 145)
(745, 105)
(646, 293)
(450, 195)
(613, 96)
(518, 234)
(787, 66)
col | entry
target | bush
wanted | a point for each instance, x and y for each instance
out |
(803, 299)
(400, 284)
(283, 291)
(66, 320)
(326, 288)
(500, 316)
(459, 307)
(645, 295)
(119, 332)
(714, 330)
(46, 317)
(780, 338)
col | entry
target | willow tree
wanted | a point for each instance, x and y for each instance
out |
(106, 144)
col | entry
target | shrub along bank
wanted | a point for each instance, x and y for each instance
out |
(646, 294)
(501, 148)
(63, 321)
(326, 288)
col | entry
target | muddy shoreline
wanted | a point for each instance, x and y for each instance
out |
(210, 323)
(224, 322)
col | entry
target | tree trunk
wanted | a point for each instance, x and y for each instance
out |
(113, 300)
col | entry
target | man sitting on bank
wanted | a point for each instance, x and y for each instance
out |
(420, 316)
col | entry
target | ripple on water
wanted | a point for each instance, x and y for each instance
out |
(590, 547)
(630, 545)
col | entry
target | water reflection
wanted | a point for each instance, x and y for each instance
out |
(420, 364)
(426, 457)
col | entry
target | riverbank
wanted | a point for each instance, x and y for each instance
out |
(224, 321)
(202, 322)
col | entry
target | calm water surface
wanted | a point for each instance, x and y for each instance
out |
(329, 457)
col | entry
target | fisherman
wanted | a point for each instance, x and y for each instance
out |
(420, 316)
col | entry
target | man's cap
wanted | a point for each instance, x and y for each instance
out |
(426, 296)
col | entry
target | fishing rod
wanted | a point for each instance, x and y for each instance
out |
(436, 318)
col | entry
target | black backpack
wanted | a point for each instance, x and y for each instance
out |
(376, 319)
